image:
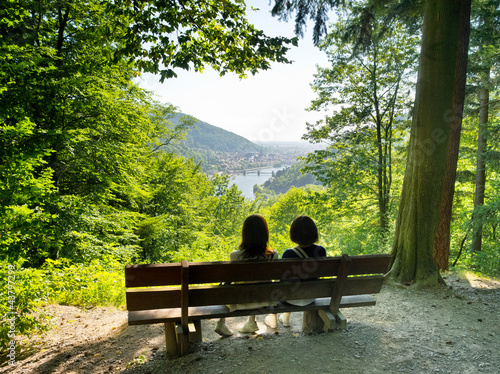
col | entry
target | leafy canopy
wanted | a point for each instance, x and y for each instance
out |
(162, 36)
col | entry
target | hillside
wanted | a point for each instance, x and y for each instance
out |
(286, 179)
(204, 136)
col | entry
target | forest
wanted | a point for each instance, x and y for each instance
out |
(88, 184)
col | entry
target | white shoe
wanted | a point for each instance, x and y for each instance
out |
(285, 320)
(222, 329)
(250, 327)
(271, 321)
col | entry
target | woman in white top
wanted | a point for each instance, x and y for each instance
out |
(254, 247)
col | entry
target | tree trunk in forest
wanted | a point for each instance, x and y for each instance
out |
(477, 232)
(441, 250)
(382, 182)
(432, 146)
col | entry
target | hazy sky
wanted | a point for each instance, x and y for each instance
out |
(269, 106)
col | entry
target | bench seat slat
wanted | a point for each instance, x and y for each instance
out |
(218, 311)
(147, 299)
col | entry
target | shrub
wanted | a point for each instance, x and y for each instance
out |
(22, 291)
(99, 283)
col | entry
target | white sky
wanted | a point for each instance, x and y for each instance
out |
(269, 106)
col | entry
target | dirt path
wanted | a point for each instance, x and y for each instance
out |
(449, 330)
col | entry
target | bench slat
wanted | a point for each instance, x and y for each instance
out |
(153, 275)
(160, 298)
(215, 272)
(218, 311)
(369, 264)
(226, 271)
(263, 271)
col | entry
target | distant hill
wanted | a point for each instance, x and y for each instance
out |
(286, 179)
(208, 137)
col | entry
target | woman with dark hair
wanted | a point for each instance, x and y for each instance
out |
(254, 247)
(304, 233)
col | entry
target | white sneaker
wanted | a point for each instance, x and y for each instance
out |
(250, 327)
(222, 329)
(285, 319)
(271, 321)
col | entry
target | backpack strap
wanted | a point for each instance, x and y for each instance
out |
(300, 252)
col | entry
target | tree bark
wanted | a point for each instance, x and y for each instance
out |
(477, 233)
(432, 141)
(441, 250)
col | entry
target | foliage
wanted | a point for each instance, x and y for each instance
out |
(316, 10)
(368, 91)
(485, 262)
(29, 291)
(297, 201)
(90, 231)
(166, 36)
(79, 138)
(408, 11)
(209, 160)
(25, 191)
(484, 40)
(482, 82)
(177, 188)
(76, 128)
(99, 283)
(230, 208)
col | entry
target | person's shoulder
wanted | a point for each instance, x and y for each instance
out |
(275, 254)
(322, 251)
(236, 255)
(289, 253)
(318, 251)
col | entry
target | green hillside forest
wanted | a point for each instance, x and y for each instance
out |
(207, 144)
(202, 135)
(95, 173)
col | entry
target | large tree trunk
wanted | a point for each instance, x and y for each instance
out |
(441, 250)
(477, 233)
(431, 141)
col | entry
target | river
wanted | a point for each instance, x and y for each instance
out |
(245, 183)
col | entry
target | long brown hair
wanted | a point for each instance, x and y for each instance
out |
(255, 237)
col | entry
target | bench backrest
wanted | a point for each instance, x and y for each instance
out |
(183, 285)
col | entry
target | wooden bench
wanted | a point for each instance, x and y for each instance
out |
(180, 295)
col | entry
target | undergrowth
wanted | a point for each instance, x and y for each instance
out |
(100, 283)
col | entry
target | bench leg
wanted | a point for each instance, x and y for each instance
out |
(329, 320)
(171, 339)
(312, 322)
(182, 340)
(195, 334)
(341, 320)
